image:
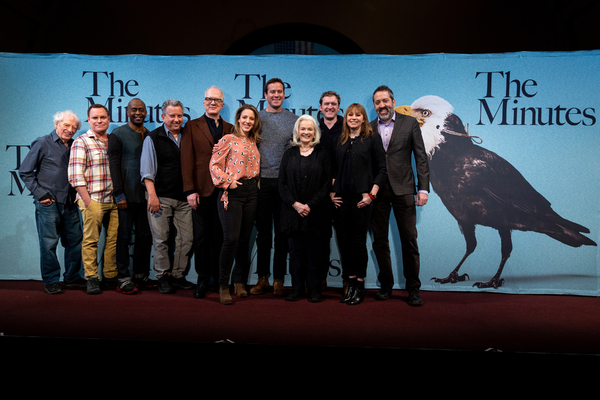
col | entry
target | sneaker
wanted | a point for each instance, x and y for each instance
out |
(53, 288)
(127, 287)
(181, 283)
(76, 283)
(145, 282)
(93, 285)
(164, 285)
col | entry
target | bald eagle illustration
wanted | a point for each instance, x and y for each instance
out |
(478, 187)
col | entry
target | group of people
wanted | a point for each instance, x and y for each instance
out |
(199, 190)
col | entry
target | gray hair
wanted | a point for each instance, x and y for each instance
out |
(59, 116)
(296, 137)
(172, 103)
(214, 87)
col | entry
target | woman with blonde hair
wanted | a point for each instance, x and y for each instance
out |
(304, 185)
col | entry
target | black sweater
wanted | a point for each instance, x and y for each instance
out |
(310, 186)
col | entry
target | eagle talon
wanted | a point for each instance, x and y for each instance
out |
(495, 283)
(452, 278)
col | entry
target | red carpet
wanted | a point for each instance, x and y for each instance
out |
(448, 323)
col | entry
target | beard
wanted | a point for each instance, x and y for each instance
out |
(383, 115)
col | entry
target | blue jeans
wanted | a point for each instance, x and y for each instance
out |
(59, 222)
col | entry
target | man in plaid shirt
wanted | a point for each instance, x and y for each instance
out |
(89, 174)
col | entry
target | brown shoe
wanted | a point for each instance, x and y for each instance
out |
(261, 285)
(240, 290)
(225, 296)
(278, 287)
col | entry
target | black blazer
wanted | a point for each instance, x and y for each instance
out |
(406, 141)
(317, 185)
(368, 163)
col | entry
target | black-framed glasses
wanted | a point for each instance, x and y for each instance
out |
(211, 99)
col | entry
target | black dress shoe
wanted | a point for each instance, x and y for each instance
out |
(200, 291)
(414, 299)
(181, 283)
(384, 293)
(315, 296)
(294, 296)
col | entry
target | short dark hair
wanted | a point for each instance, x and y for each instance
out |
(273, 80)
(384, 88)
(96, 106)
(329, 94)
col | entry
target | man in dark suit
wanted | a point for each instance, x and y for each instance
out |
(198, 138)
(401, 137)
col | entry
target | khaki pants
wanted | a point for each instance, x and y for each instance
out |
(96, 216)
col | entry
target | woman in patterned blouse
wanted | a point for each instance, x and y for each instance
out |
(235, 168)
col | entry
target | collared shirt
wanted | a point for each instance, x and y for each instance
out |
(44, 169)
(385, 130)
(234, 158)
(148, 163)
(88, 167)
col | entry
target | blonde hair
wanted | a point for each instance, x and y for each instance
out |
(295, 135)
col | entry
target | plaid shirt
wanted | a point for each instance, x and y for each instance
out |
(88, 166)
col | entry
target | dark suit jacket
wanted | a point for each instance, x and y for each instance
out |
(405, 142)
(196, 151)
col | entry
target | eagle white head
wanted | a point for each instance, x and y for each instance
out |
(430, 111)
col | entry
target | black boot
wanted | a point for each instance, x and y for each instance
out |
(359, 294)
(351, 288)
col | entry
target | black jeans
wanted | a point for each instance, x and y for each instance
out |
(267, 222)
(237, 223)
(135, 215)
(208, 238)
(352, 224)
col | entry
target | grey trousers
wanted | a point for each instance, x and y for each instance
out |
(174, 217)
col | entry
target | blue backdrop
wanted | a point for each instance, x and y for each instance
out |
(538, 111)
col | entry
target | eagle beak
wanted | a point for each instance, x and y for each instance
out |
(406, 110)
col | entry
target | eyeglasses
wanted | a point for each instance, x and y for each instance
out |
(210, 100)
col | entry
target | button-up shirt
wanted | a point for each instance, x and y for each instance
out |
(148, 163)
(44, 169)
(385, 130)
(88, 167)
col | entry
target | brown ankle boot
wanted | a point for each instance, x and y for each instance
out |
(278, 288)
(225, 296)
(261, 285)
(240, 290)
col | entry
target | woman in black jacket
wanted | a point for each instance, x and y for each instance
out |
(360, 170)
(304, 186)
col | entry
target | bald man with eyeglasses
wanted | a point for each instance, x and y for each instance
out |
(198, 139)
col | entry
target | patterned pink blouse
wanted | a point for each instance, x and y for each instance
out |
(233, 158)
